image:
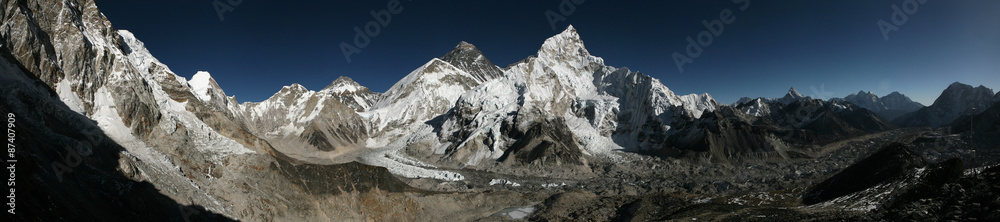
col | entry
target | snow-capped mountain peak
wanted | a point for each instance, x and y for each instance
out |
(201, 83)
(294, 87)
(351, 93)
(342, 85)
(756, 107)
(565, 45)
(468, 58)
(794, 94)
(426, 92)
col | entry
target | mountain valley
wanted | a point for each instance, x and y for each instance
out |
(108, 132)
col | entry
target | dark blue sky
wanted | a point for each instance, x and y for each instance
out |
(823, 48)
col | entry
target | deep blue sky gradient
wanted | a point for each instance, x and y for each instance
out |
(834, 47)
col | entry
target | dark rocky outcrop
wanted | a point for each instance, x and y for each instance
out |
(544, 143)
(724, 136)
(892, 162)
(727, 135)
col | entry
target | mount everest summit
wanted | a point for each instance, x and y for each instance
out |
(111, 133)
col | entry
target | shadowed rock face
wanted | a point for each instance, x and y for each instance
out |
(728, 135)
(892, 162)
(985, 122)
(68, 169)
(957, 100)
(340, 178)
(969, 198)
(725, 136)
(544, 143)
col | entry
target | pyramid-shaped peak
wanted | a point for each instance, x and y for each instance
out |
(463, 50)
(566, 45)
(794, 93)
(568, 34)
(294, 87)
(344, 84)
(468, 58)
(343, 80)
(569, 29)
(465, 45)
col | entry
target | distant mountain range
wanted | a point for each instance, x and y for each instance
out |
(889, 107)
(80, 78)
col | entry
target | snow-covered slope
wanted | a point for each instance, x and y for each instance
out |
(757, 107)
(425, 93)
(134, 99)
(310, 125)
(352, 94)
(564, 87)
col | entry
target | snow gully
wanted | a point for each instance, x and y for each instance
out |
(704, 39)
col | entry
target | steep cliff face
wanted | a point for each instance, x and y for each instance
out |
(112, 133)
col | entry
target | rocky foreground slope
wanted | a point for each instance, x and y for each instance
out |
(111, 133)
